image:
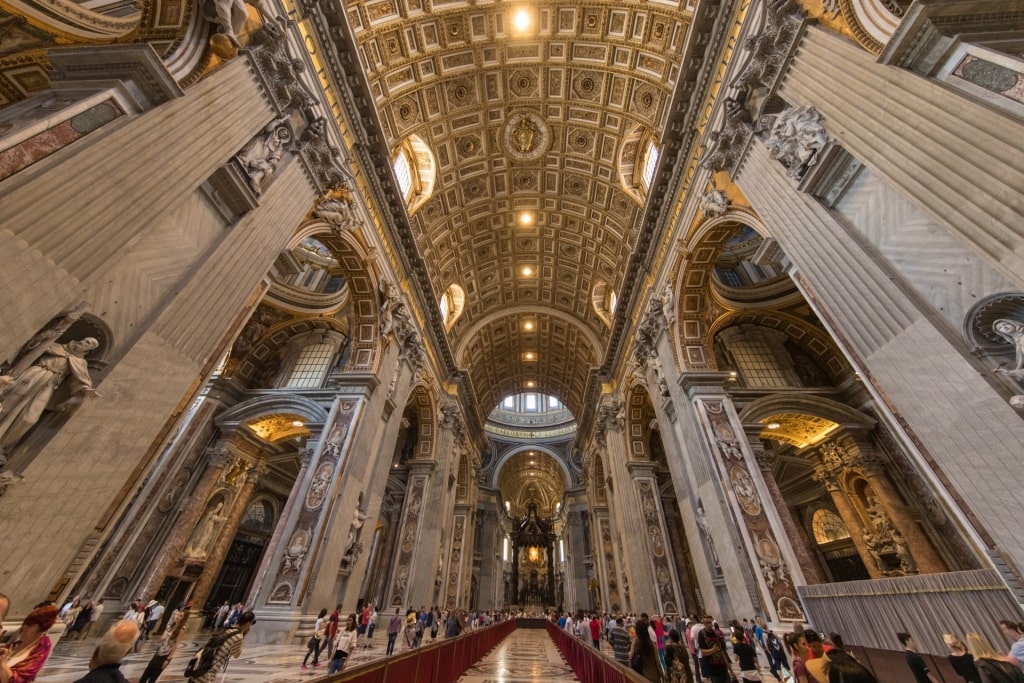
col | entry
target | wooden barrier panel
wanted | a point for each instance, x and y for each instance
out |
(589, 664)
(442, 661)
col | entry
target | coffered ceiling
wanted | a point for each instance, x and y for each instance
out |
(546, 121)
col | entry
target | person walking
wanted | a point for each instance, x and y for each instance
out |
(643, 654)
(317, 641)
(714, 662)
(167, 646)
(745, 655)
(677, 659)
(230, 646)
(394, 626)
(344, 644)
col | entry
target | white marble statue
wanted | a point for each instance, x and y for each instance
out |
(230, 16)
(714, 203)
(25, 396)
(199, 545)
(667, 299)
(796, 138)
(1013, 332)
(358, 518)
(262, 155)
(336, 207)
(391, 300)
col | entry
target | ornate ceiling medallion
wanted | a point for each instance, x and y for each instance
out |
(526, 136)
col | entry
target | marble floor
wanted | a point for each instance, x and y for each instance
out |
(526, 655)
(258, 663)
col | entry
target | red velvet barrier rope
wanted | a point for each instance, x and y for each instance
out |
(590, 665)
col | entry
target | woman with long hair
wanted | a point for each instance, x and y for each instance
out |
(26, 651)
(990, 664)
(796, 643)
(644, 648)
(344, 643)
(317, 642)
(745, 655)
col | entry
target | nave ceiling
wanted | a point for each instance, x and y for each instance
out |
(535, 135)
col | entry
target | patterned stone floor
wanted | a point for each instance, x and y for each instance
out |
(526, 655)
(258, 663)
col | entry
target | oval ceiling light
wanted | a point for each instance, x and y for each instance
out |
(531, 384)
(527, 271)
(298, 423)
(521, 20)
(525, 218)
(528, 326)
(529, 355)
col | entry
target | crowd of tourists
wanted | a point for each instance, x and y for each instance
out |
(406, 630)
(687, 650)
(698, 650)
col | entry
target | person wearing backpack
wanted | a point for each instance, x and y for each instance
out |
(214, 656)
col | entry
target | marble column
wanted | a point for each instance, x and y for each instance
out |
(666, 582)
(515, 573)
(219, 551)
(173, 548)
(829, 479)
(381, 573)
(290, 508)
(967, 176)
(924, 554)
(638, 574)
(420, 472)
(798, 541)
(427, 554)
(902, 356)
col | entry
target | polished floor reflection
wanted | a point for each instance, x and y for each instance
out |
(258, 663)
(526, 655)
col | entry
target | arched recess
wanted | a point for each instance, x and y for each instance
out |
(639, 417)
(363, 285)
(534, 477)
(693, 295)
(805, 335)
(422, 401)
(255, 409)
(761, 412)
(603, 299)
(263, 362)
(453, 303)
(637, 158)
(415, 170)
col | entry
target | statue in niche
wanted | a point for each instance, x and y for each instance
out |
(705, 530)
(667, 299)
(1013, 332)
(796, 138)
(391, 301)
(230, 16)
(714, 203)
(25, 393)
(352, 545)
(337, 208)
(260, 158)
(199, 545)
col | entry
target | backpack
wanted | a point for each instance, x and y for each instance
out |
(202, 662)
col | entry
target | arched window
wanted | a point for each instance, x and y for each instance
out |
(311, 366)
(603, 299)
(828, 527)
(648, 165)
(415, 172)
(453, 302)
(637, 162)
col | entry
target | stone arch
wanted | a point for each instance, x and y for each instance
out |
(639, 415)
(692, 290)
(823, 417)
(513, 449)
(363, 285)
(812, 339)
(314, 415)
(423, 402)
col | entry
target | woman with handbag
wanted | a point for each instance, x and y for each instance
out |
(992, 666)
(317, 642)
(643, 653)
